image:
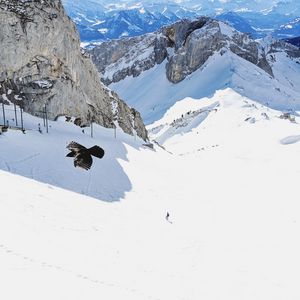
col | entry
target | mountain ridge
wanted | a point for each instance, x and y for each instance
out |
(192, 42)
(188, 51)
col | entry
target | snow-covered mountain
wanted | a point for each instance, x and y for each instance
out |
(194, 59)
(185, 44)
(131, 22)
(97, 20)
(289, 30)
(113, 21)
(238, 22)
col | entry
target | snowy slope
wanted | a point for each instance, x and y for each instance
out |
(152, 94)
(233, 205)
(42, 156)
(226, 118)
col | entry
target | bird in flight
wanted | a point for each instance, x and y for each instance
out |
(83, 156)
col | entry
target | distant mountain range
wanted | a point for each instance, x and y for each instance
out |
(98, 20)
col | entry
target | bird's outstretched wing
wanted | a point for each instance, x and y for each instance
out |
(73, 146)
(96, 151)
(83, 160)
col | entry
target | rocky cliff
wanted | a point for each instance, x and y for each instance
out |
(203, 38)
(275, 46)
(186, 45)
(117, 59)
(41, 63)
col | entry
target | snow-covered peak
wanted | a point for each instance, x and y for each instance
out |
(152, 94)
(227, 30)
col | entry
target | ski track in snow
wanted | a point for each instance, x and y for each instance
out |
(8, 251)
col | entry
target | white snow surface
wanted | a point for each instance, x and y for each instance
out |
(230, 188)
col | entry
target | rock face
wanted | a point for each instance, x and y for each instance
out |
(294, 41)
(125, 57)
(209, 37)
(276, 46)
(41, 63)
(186, 45)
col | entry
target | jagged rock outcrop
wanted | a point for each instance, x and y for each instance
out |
(294, 41)
(186, 44)
(201, 42)
(118, 59)
(275, 46)
(41, 63)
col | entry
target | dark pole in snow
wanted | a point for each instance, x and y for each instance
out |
(16, 118)
(92, 133)
(47, 130)
(44, 121)
(3, 114)
(22, 124)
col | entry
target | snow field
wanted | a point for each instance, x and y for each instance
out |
(233, 205)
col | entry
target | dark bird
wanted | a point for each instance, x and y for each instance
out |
(83, 156)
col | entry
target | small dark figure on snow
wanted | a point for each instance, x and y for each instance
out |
(167, 217)
(83, 156)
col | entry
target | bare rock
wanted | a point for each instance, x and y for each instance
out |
(40, 57)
